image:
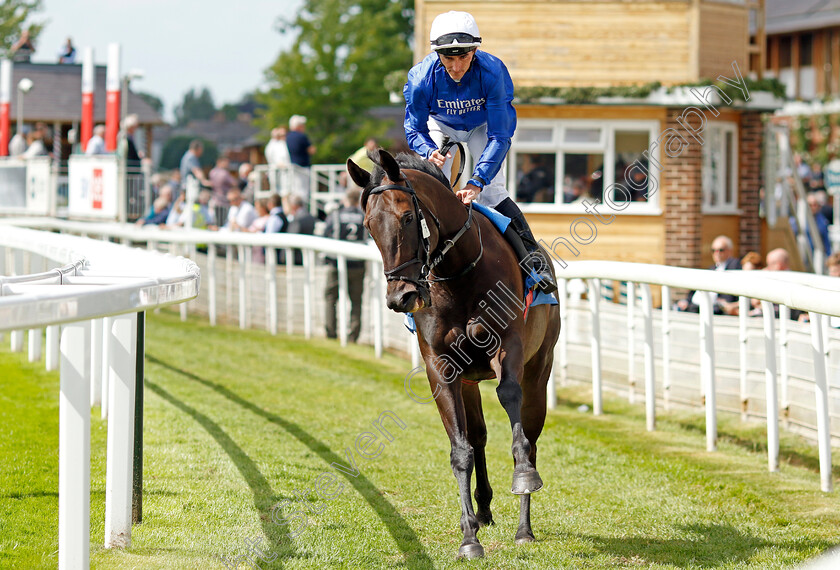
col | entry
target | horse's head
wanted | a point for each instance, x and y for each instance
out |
(397, 224)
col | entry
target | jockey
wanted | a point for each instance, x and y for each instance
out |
(465, 95)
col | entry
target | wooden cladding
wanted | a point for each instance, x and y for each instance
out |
(561, 44)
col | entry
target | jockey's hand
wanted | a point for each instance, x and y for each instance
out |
(438, 159)
(468, 193)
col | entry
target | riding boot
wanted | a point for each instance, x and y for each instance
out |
(533, 254)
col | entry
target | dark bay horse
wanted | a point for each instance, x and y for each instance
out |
(459, 277)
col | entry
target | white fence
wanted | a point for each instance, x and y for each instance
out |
(739, 364)
(90, 295)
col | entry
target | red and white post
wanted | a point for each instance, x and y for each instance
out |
(88, 89)
(112, 104)
(5, 100)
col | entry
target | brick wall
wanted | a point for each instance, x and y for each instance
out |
(682, 188)
(750, 181)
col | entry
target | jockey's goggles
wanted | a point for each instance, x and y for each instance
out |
(455, 44)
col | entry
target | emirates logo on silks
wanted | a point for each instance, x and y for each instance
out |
(459, 107)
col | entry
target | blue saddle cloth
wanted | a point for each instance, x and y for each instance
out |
(501, 222)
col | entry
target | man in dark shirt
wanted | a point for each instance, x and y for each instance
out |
(346, 223)
(300, 151)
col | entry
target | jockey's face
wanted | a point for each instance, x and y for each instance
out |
(457, 65)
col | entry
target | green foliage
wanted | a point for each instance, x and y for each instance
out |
(152, 101)
(175, 148)
(334, 72)
(580, 95)
(13, 20)
(195, 106)
(583, 95)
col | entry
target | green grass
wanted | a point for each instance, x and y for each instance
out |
(238, 421)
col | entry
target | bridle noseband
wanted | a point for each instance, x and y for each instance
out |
(424, 255)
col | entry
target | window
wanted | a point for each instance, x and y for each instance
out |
(720, 168)
(553, 166)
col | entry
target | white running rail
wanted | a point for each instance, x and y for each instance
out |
(97, 286)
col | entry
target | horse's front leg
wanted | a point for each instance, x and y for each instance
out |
(450, 405)
(477, 435)
(508, 366)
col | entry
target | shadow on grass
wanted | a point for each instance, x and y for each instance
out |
(710, 546)
(264, 497)
(406, 539)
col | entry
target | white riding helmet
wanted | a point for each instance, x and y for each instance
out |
(454, 33)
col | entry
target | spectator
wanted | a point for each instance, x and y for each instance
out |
(36, 146)
(534, 183)
(22, 50)
(17, 146)
(276, 151)
(159, 212)
(221, 180)
(722, 250)
(241, 214)
(67, 54)
(96, 144)
(360, 157)
(127, 148)
(817, 181)
(826, 205)
(300, 220)
(277, 221)
(833, 265)
(778, 260)
(346, 223)
(300, 153)
(752, 260)
(245, 186)
(258, 225)
(819, 219)
(203, 217)
(191, 165)
(803, 169)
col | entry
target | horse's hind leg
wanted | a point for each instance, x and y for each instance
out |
(533, 420)
(477, 436)
(509, 370)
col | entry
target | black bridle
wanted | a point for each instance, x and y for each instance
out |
(424, 255)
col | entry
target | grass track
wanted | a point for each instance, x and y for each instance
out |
(239, 421)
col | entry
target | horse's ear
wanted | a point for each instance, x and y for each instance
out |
(389, 165)
(358, 174)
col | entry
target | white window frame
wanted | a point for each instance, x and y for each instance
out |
(605, 146)
(711, 152)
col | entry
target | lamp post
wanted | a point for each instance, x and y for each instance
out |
(24, 86)
(126, 82)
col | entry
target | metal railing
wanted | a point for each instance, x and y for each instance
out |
(785, 197)
(757, 367)
(92, 307)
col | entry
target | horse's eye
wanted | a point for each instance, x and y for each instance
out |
(407, 219)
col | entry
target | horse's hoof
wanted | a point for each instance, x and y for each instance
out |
(526, 483)
(470, 551)
(524, 537)
(484, 519)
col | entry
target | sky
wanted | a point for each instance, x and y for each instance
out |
(178, 44)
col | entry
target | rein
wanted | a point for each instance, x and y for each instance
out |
(424, 255)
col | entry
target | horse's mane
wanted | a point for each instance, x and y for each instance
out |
(410, 160)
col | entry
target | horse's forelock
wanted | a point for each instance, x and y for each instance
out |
(407, 160)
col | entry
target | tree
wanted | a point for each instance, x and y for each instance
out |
(175, 147)
(13, 16)
(334, 72)
(195, 106)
